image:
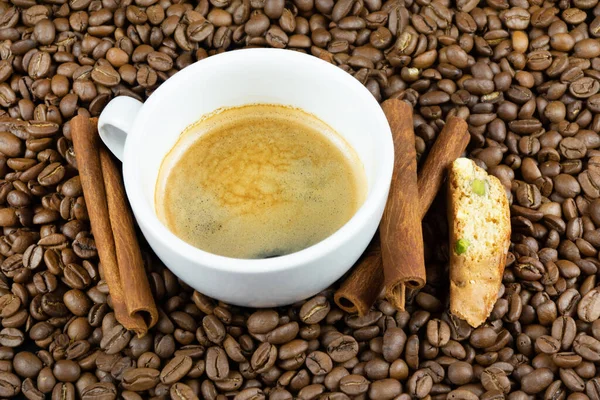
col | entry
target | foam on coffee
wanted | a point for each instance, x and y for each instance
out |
(259, 181)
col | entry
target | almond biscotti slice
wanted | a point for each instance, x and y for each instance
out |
(479, 222)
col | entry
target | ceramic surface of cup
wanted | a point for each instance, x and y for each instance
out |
(142, 134)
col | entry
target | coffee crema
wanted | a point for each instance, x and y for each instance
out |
(259, 181)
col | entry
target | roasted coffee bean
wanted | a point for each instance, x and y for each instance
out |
(11, 337)
(571, 380)
(587, 347)
(438, 333)
(215, 331)
(181, 391)
(63, 391)
(420, 384)
(564, 329)
(10, 145)
(536, 381)
(30, 391)
(333, 379)
(493, 378)
(354, 385)
(9, 305)
(26, 364)
(115, 340)
(159, 61)
(460, 373)
(263, 321)
(217, 365)
(566, 360)
(412, 351)
(384, 389)
(547, 344)
(176, 369)
(314, 310)
(66, 370)
(343, 348)
(10, 384)
(77, 302)
(140, 379)
(99, 390)
(283, 333)
(319, 363)
(394, 340)
(588, 308)
(592, 388)
(483, 337)
(377, 369)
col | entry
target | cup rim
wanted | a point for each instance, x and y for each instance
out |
(146, 216)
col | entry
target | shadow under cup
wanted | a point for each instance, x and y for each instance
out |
(243, 77)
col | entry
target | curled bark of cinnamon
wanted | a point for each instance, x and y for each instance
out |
(400, 229)
(359, 292)
(112, 226)
(449, 145)
(139, 299)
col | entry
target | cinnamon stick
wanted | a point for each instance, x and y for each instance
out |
(139, 298)
(400, 229)
(354, 294)
(449, 145)
(86, 144)
(359, 292)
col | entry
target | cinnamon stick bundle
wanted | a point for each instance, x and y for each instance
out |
(113, 229)
(360, 290)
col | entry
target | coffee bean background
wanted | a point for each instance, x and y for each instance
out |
(523, 73)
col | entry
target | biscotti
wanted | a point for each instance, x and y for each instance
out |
(479, 222)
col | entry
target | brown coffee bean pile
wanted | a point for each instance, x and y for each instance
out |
(523, 73)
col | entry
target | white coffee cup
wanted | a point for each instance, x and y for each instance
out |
(141, 135)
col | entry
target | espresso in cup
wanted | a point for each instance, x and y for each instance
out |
(259, 181)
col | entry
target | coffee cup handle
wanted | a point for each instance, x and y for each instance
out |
(116, 121)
